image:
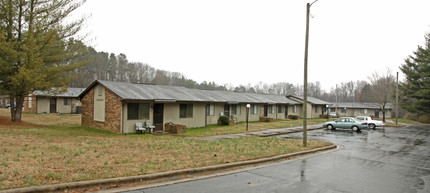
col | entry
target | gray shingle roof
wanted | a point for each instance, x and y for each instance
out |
(71, 92)
(312, 100)
(133, 91)
(358, 105)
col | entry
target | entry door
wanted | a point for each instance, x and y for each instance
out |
(227, 110)
(53, 105)
(266, 110)
(158, 117)
(286, 111)
(376, 114)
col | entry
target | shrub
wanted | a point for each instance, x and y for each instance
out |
(266, 119)
(223, 120)
(411, 116)
(293, 117)
(323, 116)
(424, 118)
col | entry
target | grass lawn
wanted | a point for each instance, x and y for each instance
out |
(388, 124)
(277, 124)
(48, 154)
(252, 126)
(401, 120)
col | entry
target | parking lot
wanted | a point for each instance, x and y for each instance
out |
(382, 160)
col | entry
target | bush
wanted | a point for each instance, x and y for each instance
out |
(424, 118)
(293, 117)
(223, 120)
(411, 116)
(266, 119)
(323, 116)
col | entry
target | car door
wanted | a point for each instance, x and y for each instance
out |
(339, 123)
(348, 123)
(351, 123)
(345, 123)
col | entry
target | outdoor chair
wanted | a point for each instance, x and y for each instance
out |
(140, 128)
(149, 126)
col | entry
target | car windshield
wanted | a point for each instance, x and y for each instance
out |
(360, 118)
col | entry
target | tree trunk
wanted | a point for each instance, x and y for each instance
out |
(383, 114)
(12, 109)
(16, 109)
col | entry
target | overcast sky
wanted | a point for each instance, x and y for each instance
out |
(248, 41)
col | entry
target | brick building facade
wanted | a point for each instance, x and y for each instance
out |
(113, 111)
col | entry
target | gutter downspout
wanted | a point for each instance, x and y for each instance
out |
(206, 115)
(122, 118)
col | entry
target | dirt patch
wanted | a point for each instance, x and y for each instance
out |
(5, 121)
(42, 120)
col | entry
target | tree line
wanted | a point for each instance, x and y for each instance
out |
(116, 67)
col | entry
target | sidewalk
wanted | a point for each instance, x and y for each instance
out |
(264, 133)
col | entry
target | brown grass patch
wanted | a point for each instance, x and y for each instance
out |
(37, 156)
(5, 122)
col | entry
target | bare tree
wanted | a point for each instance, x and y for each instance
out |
(342, 92)
(382, 87)
(350, 86)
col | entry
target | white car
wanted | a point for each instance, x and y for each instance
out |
(334, 115)
(370, 122)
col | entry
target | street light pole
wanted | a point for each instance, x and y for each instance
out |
(247, 114)
(305, 81)
(328, 111)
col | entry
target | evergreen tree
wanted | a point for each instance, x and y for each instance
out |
(36, 51)
(416, 89)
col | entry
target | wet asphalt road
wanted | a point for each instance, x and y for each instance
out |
(381, 160)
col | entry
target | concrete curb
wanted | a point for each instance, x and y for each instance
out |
(264, 133)
(152, 178)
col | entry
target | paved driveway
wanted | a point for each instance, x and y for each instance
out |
(382, 160)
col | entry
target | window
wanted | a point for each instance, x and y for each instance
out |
(254, 109)
(316, 109)
(363, 111)
(360, 118)
(30, 102)
(137, 111)
(235, 109)
(280, 108)
(100, 90)
(66, 101)
(343, 110)
(294, 109)
(185, 110)
(271, 109)
(210, 109)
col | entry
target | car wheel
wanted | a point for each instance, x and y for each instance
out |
(355, 128)
(330, 127)
(372, 126)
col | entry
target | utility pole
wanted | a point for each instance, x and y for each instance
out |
(397, 97)
(335, 108)
(305, 81)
